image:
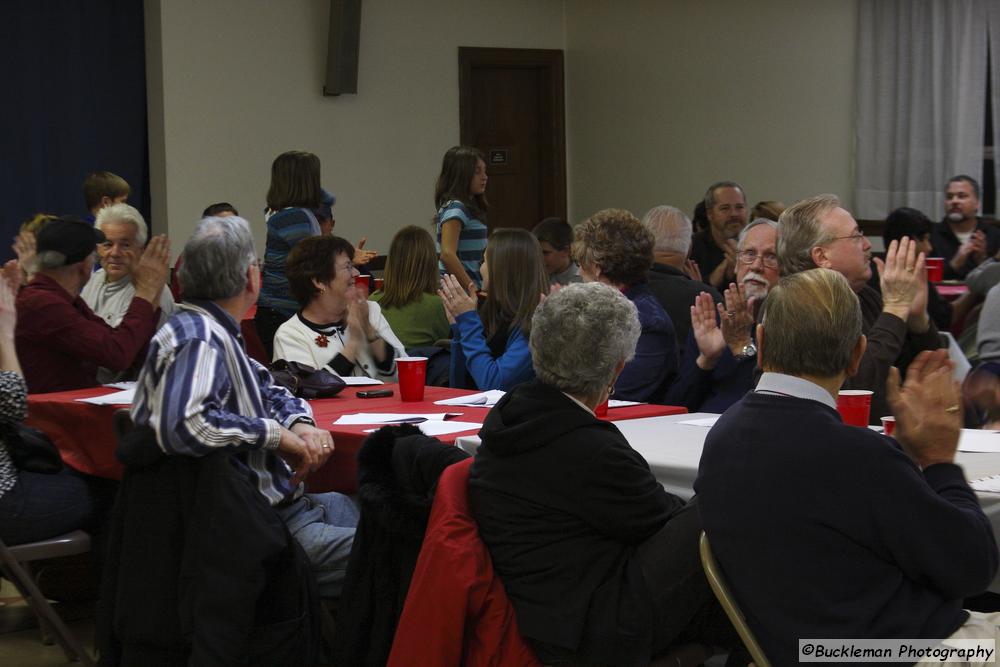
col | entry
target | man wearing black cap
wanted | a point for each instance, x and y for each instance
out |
(60, 341)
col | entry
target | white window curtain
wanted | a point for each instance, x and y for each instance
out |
(921, 101)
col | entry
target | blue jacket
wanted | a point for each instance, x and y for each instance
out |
(471, 355)
(650, 372)
(715, 390)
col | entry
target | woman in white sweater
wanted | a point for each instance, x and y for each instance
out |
(337, 326)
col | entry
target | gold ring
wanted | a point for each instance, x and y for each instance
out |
(952, 409)
(326, 446)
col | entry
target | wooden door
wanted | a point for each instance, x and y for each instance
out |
(511, 107)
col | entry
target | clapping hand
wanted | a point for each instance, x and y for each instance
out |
(362, 256)
(902, 275)
(456, 300)
(692, 270)
(8, 311)
(707, 334)
(151, 272)
(737, 318)
(927, 408)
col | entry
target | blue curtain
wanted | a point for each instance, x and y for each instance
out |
(74, 101)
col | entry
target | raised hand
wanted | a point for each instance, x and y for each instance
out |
(692, 270)
(24, 248)
(978, 246)
(901, 275)
(707, 334)
(362, 256)
(927, 408)
(736, 317)
(151, 272)
(8, 311)
(457, 300)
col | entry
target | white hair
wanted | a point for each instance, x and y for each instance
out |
(124, 213)
(671, 229)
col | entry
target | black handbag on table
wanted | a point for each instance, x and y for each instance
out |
(305, 381)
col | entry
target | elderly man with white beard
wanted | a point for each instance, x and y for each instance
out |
(720, 355)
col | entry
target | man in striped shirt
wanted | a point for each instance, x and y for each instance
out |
(200, 392)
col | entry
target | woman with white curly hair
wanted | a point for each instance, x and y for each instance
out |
(600, 563)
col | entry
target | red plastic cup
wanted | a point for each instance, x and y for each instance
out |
(363, 281)
(888, 425)
(935, 269)
(412, 377)
(379, 282)
(602, 409)
(854, 406)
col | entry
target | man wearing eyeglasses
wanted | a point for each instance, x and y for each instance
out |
(720, 356)
(818, 232)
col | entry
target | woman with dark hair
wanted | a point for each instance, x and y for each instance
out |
(409, 299)
(911, 223)
(337, 326)
(614, 248)
(292, 199)
(490, 347)
(460, 195)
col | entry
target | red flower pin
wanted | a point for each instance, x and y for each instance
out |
(322, 340)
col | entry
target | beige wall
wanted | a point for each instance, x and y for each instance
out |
(662, 98)
(665, 97)
(233, 83)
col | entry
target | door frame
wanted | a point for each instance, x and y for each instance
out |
(550, 61)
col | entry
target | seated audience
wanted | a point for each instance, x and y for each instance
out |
(911, 223)
(668, 281)
(555, 235)
(600, 563)
(110, 291)
(714, 248)
(60, 341)
(409, 299)
(201, 393)
(768, 209)
(817, 232)
(33, 506)
(490, 346)
(962, 238)
(292, 198)
(832, 531)
(337, 327)
(614, 248)
(102, 189)
(720, 359)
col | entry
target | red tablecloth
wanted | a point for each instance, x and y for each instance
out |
(85, 437)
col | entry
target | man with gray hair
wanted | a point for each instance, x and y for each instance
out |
(714, 248)
(200, 393)
(718, 366)
(60, 341)
(669, 282)
(818, 232)
(830, 530)
(110, 290)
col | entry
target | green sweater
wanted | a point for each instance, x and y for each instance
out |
(419, 323)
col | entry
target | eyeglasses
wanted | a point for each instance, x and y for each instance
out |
(856, 237)
(750, 256)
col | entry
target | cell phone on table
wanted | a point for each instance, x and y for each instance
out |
(375, 393)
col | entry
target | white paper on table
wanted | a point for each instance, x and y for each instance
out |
(393, 417)
(359, 381)
(120, 385)
(486, 399)
(704, 421)
(979, 441)
(989, 484)
(612, 403)
(123, 397)
(441, 428)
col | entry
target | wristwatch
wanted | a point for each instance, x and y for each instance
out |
(749, 351)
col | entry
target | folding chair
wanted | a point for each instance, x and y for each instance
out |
(728, 602)
(14, 560)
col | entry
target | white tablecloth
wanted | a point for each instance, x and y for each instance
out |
(673, 451)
